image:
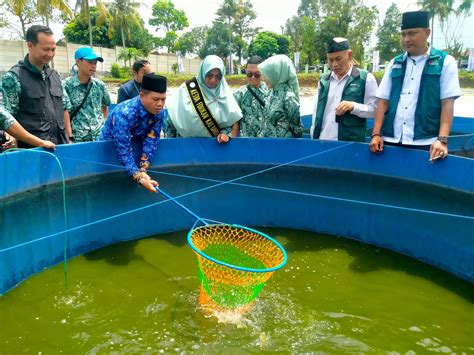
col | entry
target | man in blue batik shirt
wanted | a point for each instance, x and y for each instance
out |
(140, 118)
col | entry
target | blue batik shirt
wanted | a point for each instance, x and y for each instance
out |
(129, 120)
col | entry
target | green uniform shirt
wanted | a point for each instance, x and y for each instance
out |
(282, 114)
(253, 112)
(89, 120)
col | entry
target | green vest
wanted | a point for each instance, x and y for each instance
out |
(351, 127)
(428, 106)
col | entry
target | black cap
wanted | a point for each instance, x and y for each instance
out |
(153, 82)
(338, 44)
(415, 19)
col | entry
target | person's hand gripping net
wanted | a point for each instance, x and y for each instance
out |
(144, 180)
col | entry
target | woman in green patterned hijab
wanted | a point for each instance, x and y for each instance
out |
(282, 106)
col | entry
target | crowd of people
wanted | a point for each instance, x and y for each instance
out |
(412, 107)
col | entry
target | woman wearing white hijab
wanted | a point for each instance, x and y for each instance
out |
(189, 113)
(282, 105)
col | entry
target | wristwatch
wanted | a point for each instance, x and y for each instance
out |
(443, 139)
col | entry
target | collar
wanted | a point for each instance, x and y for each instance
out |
(76, 82)
(34, 68)
(349, 72)
(417, 58)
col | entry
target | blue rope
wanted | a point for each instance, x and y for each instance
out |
(156, 203)
(233, 182)
(63, 182)
(161, 191)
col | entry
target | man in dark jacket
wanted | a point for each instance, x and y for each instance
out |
(34, 90)
(132, 87)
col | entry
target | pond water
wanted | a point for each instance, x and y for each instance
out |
(334, 295)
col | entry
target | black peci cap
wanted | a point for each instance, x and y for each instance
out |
(415, 19)
(153, 82)
(338, 44)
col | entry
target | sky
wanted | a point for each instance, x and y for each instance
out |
(272, 14)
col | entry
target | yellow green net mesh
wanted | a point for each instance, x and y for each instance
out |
(234, 263)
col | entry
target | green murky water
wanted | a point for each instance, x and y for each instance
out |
(334, 296)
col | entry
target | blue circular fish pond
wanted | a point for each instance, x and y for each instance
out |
(395, 202)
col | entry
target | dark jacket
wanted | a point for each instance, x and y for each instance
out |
(41, 110)
(128, 91)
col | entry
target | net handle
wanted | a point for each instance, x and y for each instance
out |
(171, 198)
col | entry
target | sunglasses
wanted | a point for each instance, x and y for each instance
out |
(256, 74)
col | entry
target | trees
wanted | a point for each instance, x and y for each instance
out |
(238, 15)
(388, 34)
(78, 30)
(191, 42)
(166, 17)
(122, 14)
(45, 7)
(442, 8)
(217, 41)
(445, 10)
(345, 18)
(26, 12)
(267, 44)
(360, 29)
(82, 8)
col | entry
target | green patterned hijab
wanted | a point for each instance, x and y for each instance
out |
(279, 71)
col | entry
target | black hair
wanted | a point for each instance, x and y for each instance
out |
(32, 33)
(255, 60)
(139, 64)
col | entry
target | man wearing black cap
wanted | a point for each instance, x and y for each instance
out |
(140, 119)
(346, 97)
(416, 96)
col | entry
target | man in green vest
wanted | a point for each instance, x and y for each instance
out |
(345, 99)
(416, 96)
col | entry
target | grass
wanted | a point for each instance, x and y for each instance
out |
(466, 79)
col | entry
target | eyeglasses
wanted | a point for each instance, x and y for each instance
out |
(213, 76)
(256, 74)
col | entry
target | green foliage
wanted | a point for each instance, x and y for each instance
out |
(238, 14)
(360, 29)
(388, 34)
(466, 79)
(338, 18)
(24, 11)
(192, 41)
(166, 17)
(129, 54)
(443, 9)
(267, 44)
(217, 41)
(77, 31)
(174, 68)
(309, 8)
(119, 72)
(294, 32)
(308, 32)
(139, 38)
(122, 14)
